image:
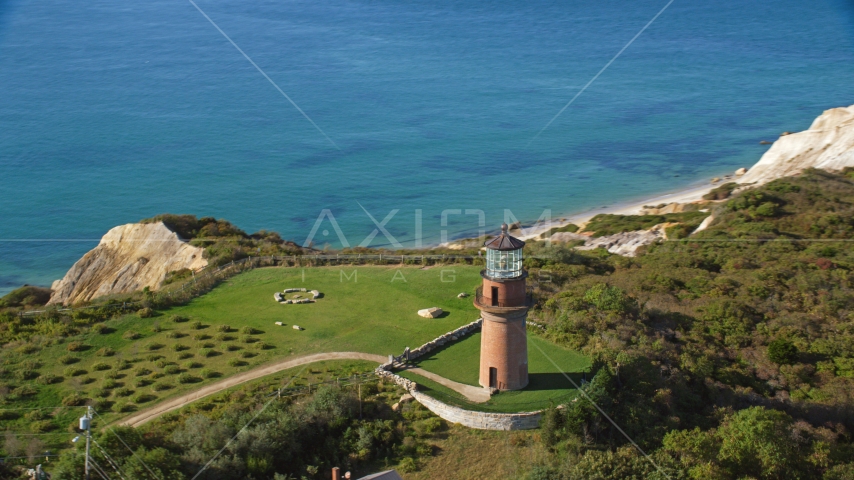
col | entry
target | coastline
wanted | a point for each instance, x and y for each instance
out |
(687, 194)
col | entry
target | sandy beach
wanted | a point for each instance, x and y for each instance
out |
(689, 194)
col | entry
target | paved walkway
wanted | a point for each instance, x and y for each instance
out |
(149, 414)
(475, 394)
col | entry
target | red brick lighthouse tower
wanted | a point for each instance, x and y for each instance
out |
(503, 301)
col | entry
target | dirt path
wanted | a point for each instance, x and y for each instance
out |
(149, 414)
(475, 394)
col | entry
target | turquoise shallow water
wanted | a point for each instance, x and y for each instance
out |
(115, 111)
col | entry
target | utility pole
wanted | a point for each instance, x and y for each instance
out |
(86, 424)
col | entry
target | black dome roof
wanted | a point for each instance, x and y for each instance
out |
(504, 241)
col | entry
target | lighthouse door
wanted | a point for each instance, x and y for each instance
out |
(493, 377)
(494, 296)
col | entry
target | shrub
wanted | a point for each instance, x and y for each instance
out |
(37, 415)
(161, 364)
(145, 312)
(68, 359)
(73, 400)
(101, 392)
(123, 407)
(206, 352)
(110, 384)
(248, 330)
(207, 373)
(42, 426)
(122, 365)
(130, 335)
(193, 365)
(178, 347)
(100, 366)
(173, 334)
(248, 339)
(197, 325)
(184, 355)
(142, 371)
(26, 374)
(187, 378)
(782, 351)
(153, 346)
(180, 318)
(246, 354)
(230, 347)
(206, 345)
(31, 364)
(100, 329)
(8, 415)
(123, 392)
(171, 369)
(114, 374)
(49, 379)
(74, 372)
(427, 426)
(263, 346)
(721, 192)
(25, 391)
(161, 386)
(407, 465)
(141, 382)
(156, 328)
(236, 362)
(154, 357)
(27, 349)
(106, 352)
(223, 328)
(221, 337)
(143, 398)
(75, 347)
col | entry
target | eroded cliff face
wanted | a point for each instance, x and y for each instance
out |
(128, 258)
(828, 144)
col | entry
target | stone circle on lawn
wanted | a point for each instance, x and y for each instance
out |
(280, 296)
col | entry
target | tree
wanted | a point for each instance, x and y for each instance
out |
(756, 441)
(782, 352)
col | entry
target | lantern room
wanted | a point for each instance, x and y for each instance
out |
(504, 256)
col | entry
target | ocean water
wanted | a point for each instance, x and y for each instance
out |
(113, 111)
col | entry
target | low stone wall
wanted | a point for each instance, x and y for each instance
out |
(468, 418)
(451, 336)
(404, 383)
(479, 420)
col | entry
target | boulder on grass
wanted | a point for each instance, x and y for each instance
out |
(430, 312)
(297, 327)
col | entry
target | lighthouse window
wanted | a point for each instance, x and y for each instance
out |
(504, 264)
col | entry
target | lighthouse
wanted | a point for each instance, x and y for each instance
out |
(503, 300)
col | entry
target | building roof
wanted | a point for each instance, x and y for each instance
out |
(504, 241)
(387, 475)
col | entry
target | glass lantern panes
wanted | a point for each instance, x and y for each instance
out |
(503, 263)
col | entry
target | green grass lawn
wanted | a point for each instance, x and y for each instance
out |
(547, 364)
(137, 362)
